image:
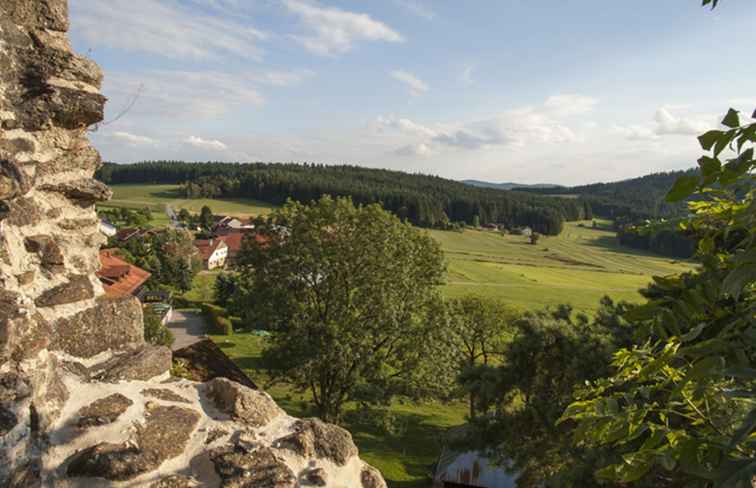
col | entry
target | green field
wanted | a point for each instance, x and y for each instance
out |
(405, 458)
(156, 197)
(578, 267)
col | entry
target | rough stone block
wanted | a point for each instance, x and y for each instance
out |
(163, 436)
(143, 364)
(103, 411)
(78, 288)
(46, 14)
(85, 191)
(313, 437)
(239, 467)
(113, 323)
(250, 406)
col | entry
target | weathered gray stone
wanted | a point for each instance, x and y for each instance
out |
(8, 420)
(48, 251)
(164, 436)
(26, 475)
(113, 323)
(103, 411)
(175, 481)
(22, 212)
(78, 288)
(240, 468)
(313, 437)
(316, 477)
(164, 394)
(13, 181)
(75, 224)
(214, 435)
(371, 478)
(25, 278)
(142, 364)
(85, 191)
(250, 406)
(47, 14)
(83, 158)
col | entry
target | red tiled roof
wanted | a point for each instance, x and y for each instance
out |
(234, 238)
(119, 277)
(207, 247)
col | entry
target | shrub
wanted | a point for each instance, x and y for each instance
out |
(155, 332)
(216, 316)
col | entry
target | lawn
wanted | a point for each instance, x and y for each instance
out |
(579, 266)
(405, 458)
(156, 197)
(202, 287)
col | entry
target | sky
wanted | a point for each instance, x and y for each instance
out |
(547, 91)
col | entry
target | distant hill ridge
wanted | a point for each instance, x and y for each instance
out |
(508, 185)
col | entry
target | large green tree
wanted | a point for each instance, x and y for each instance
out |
(476, 330)
(679, 408)
(346, 292)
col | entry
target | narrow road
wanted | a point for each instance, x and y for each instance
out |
(187, 328)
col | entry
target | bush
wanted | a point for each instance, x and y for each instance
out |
(155, 332)
(219, 322)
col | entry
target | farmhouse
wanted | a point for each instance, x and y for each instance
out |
(214, 252)
(227, 223)
(118, 277)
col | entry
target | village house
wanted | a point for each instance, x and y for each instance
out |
(108, 229)
(227, 223)
(118, 277)
(214, 252)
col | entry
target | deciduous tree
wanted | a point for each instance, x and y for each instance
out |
(346, 291)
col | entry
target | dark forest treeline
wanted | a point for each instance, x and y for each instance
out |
(634, 199)
(663, 240)
(424, 200)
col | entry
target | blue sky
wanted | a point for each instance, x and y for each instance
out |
(567, 91)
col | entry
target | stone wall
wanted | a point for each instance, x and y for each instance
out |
(83, 400)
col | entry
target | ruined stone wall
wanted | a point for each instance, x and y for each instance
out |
(83, 400)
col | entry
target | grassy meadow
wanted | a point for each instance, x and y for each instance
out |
(156, 197)
(579, 266)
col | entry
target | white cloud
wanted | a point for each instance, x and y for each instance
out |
(416, 7)
(570, 104)
(181, 93)
(414, 150)
(406, 126)
(283, 78)
(668, 124)
(336, 30)
(514, 128)
(635, 132)
(415, 84)
(132, 139)
(165, 28)
(212, 144)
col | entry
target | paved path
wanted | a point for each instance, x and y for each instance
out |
(187, 328)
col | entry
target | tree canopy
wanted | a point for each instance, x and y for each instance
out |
(345, 290)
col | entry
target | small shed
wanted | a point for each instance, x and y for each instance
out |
(470, 470)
